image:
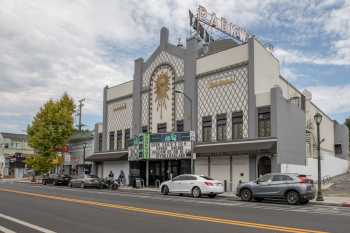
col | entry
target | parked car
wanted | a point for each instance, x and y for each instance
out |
(295, 188)
(192, 184)
(55, 179)
(85, 180)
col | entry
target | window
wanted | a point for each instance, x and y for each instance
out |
(281, 178)
(206, 124)
(178, 178)
(144, 129)
(111, 141)
(161, 128)
(264, 122)
(180, 126)
(119, 139)
(100, 142)
(206, 178)
(338, 149)
(187, 177)
(237, 125)
(126, 138)
(221, 127)
(264, 178)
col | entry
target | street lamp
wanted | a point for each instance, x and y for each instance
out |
(189, 100)
(318, 120)
(84, 148)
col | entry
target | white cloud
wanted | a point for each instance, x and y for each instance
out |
(48, 47)
(331, 99)
(288, 56)
(334, 24)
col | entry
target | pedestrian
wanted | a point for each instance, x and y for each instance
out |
(111, 175)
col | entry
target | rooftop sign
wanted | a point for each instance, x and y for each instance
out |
(222, 25)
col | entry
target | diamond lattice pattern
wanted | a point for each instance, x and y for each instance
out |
(164, 57)
(117, 118)
(178, 65)
(228, 98)
(179, 102)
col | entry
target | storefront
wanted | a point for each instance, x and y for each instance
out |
(158, 157)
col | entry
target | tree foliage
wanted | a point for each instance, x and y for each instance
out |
(49, 131)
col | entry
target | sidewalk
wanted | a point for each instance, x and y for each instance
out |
(333, 201)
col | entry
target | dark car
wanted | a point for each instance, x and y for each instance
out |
(295, 188)
(56, 179)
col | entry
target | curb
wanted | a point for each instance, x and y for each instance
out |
(344, 204)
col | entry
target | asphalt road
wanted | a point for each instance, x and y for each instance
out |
(36, 208)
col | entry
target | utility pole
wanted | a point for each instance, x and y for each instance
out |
(80, 106)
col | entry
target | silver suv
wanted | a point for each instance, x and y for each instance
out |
(295, 188)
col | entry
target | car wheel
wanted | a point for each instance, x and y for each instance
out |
(82, 185)
(304, 201)
(165, 190)
(292, 197)
(196, 192)
(212, 195)
(246, 195)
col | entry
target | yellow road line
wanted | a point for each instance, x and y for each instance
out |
(274, 228)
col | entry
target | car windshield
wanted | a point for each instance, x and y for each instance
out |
(207, 178)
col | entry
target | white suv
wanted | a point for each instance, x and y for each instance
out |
(192, 184)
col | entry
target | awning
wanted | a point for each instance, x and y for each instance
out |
(242, 146)
(108, 156)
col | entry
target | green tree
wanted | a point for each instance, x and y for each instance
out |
(49, 131)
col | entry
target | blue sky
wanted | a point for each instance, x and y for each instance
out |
(48, 47)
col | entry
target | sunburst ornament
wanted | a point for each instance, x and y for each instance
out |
(162, 86)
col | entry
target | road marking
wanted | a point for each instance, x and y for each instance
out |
(6, 230)
(168, 213)
(323, 210)
(27, 224)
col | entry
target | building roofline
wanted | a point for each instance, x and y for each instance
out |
(109, 87)
(296, 89)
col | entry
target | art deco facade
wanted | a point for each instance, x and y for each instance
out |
(247, 119)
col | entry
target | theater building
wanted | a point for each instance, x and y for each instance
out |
(246, 119)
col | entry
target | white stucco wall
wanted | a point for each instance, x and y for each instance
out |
(116, 167)
(120, 90)
(266, 69)
(326, 127)
(263, 99)
(287, 90)
(222, 59)
(330, 166)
